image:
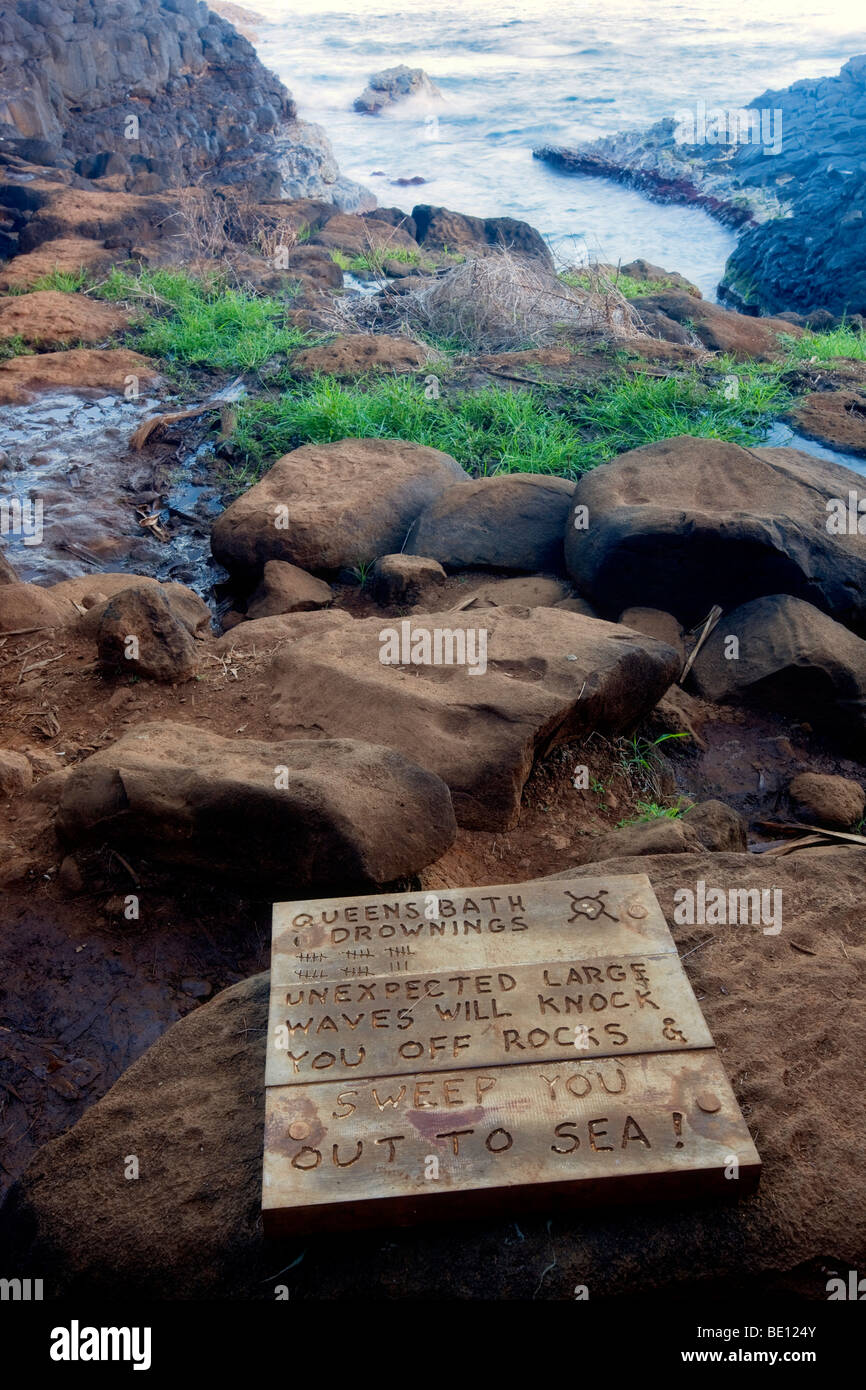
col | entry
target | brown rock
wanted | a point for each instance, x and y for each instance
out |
(140, 633)
(71, 255)
(287, 589)
(655, 623)
(512, 521)
(100, 369)
(791, 658)
(92, 214)
(837, 418)
(354, 353)
(16, 774)
(837, 802)
(710, 825)
(95, 592)
(257, 636)
(547, 676)
(48, 318)
(441, 228)
(27, 608)
(720, 330)
(687, 523)
(355, 235)
(404, 580)
(340, 504)
(645, 270)
(313, 816)
(525, 591)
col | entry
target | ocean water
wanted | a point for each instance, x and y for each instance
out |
(517, 75)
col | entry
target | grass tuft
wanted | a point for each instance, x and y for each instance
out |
(203, 322)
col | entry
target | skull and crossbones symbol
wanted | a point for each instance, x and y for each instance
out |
(584, 905)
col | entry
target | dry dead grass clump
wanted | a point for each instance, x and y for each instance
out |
(502, 301)
(223, 226)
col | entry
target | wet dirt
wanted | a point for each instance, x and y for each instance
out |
(83, 492)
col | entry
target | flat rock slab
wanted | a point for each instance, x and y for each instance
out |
(80, 369)
(325, 506)
(50, 318)
(547, 676)
(321, 812)
(404, 1047)
(837, 418)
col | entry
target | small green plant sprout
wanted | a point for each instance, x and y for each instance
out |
(641, 761)
(651, 810)
(599, 788)
(361, 572)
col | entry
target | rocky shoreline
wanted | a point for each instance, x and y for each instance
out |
(374, 552)
(776, 196)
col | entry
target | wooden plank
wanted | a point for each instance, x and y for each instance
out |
(345, 1156)
(507, 924)
(391, 1025)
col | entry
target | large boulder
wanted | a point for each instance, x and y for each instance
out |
(687, 523)
(514, 521)
(27, 608)
(508, 684)
(192, 1110)
(326, 815)
(325, 506)
(441, 229)
(791, 658)
(109, 370)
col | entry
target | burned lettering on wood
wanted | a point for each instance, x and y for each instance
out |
(539, 1035)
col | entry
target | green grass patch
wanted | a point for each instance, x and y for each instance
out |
(536, 430)
(67, 281)
(650, 810)
(626, 284)
(14, 347)
(203, 323)
(844, 341)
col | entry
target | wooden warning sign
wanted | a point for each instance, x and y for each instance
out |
(427, 1050)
